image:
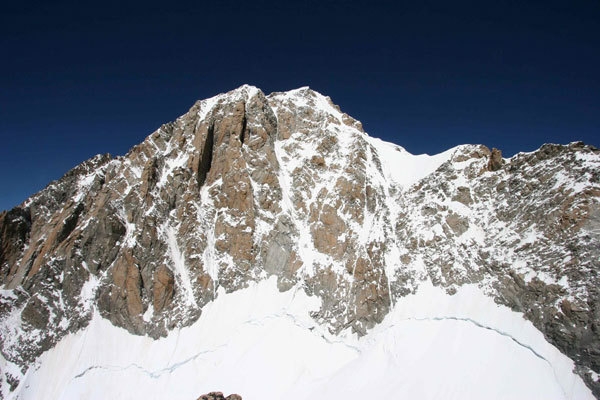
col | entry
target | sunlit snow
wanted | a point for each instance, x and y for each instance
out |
(404, 168)
(263, 344)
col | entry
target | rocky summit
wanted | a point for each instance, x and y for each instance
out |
(244, 187)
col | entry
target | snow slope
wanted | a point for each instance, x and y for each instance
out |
(404, 168)
(263, 344)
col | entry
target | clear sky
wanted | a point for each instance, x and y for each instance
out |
(77, 79)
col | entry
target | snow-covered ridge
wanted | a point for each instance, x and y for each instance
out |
(404, 168)
(306, 97)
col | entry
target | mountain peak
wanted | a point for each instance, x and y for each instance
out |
(247, 90)
(247, 188)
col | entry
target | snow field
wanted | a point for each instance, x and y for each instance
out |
(263, 344)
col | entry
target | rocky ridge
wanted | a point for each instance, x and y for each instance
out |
(246, 186)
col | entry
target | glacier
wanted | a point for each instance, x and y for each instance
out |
(263, 344)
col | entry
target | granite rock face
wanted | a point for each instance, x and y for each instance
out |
(246, 186)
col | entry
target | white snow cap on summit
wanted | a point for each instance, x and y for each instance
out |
(307, 97)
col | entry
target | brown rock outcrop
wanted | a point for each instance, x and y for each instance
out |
(495, 160)
(219, 396)
(15, 227)
(164, 286)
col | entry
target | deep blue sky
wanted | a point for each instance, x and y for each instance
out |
(77, 80)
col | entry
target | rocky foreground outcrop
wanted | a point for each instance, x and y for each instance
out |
(246, 186)
(219, 396)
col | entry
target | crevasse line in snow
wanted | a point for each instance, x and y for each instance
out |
(480, 325)
(498, 331)
(156, 374)
(152, 374)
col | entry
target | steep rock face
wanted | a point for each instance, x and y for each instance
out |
(246, 186)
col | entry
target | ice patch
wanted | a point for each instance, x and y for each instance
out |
(88, 291)
(148, 314)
